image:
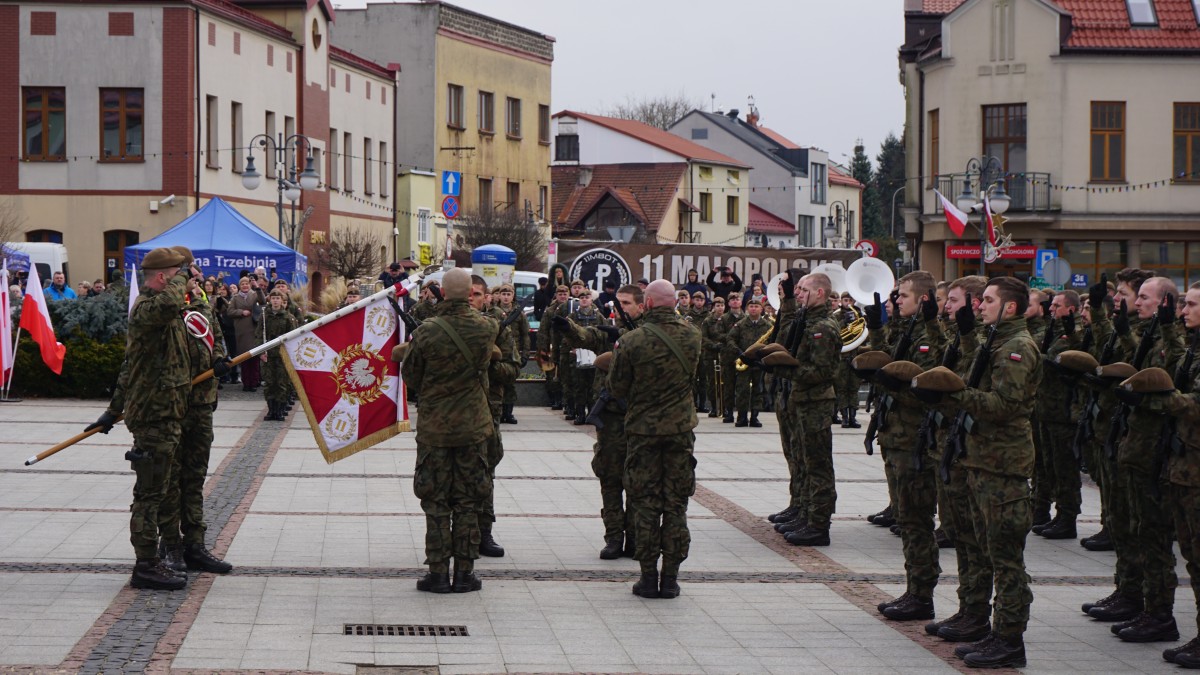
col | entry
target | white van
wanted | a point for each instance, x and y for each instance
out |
(48, 258)
(524, 284)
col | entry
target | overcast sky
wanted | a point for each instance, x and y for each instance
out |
(822, 72)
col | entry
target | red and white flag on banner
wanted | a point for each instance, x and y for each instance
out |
(957, 220)
(988, 223)
(349, 386)
(35, 318)
(6, 346)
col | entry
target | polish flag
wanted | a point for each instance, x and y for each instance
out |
(35, 318)
(6, 347)
(133, 288)
(957, 220)
(988, 223)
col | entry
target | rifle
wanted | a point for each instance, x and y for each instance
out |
(1169, 440)
(593, 416)
(1120, 419)
(795, 330)
(1085, 430)
(963, 424)
(926, 433)
(411, 323)
(625, 319)
(884, 404)
(1048, 338)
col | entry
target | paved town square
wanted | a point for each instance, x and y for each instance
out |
(318, 547)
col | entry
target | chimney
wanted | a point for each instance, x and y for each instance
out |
(733, 113)
(585, 176)
(752, 117)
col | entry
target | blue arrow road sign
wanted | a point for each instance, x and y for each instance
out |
(451, 183)
(1043, 255)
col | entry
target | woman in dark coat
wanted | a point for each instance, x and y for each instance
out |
(220, 304)
(245, 311)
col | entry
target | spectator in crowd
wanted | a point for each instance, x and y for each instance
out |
(693, 284)
(85, 289)
(272, 276)
(58, 288)
(352, 296)
(730, 282)
(393, 275)
(98, 287)
(643, 283)
(15, 298)
(245, 311)
(609, 295)
(220, 305)
(541, 298)
(757, 290)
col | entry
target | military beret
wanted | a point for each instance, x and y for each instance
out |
(940, 379)
(754, 351)
(1150, 381)
(186, 253)
(496, 353)
(604, 362)
(897, 375)
(577, 282)
(505, 287)
(781, 358)
(772, 348)
(1116, 372)
(163, 258)
(399, 352)
(1077, 361)
(562, 289)
(866, 365)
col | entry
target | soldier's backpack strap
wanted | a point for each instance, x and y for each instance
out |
(662, 335)
(458, 342)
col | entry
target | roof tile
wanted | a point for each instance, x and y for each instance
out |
(646, 190)
(765, 222)
(657, 137)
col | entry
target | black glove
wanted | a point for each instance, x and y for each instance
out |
(222, 366)
(1121, 320)
(1097, 292)
(437, 292)
(1069, 323)
(104, 423)
(524, 360)
(929, 308)
(560, 323)
(787, 287)
(965, 317)
(894, 300)
(1046, 309)
(874, 314)
(1130, 398)
(612, 332)
(928, 395)
(1166, 311)
(410, 323)
(214, 406)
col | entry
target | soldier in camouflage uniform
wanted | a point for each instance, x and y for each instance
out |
(696, 315)
(447, 363)
(1036, 320)
(912, 465)
(710, 358)
(729, 354)
(153, 391)
(276, 321)
(504, 300)
(586, 316)
(502, 372)
(847, 383)
(749, 381)
(652, 371)
(182, 508)
(430, 296)
(549, 344)
(998, 465)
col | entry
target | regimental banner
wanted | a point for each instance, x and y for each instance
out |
(351, 390)
(598, 261)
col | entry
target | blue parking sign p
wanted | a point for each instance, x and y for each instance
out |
(1044, 255)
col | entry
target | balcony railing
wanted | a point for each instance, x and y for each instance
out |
(1027, 191)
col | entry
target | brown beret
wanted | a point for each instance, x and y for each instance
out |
(496, 353)
(871, 361)
(772, 348)
(186, 253)
(604, 362)
(898, 375)
(577, 282)
(399, 351)
(505, 287)
(754, 351)
(940, 379)
(562, 289)
(1077, 361)
(163, 259)
(780, 359)
(1117, 371)
(1150, 381)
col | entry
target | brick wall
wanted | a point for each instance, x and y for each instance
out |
(120, 24)
(43, 23)
(178, 116)
(10, 96)
(491, 30)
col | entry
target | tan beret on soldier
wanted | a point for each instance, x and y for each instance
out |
(771, 349)
(186, 253)
(1150, 381)
(867, 364)
(1077, 361)
(897, 375)
(399, 352)
(604, 362)
(939, 379)
(163, 259)
(779, 358)
(1115, 372)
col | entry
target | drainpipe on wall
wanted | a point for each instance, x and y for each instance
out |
(196, 108)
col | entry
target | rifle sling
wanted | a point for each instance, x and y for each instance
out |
(662, 335)
(462, 347)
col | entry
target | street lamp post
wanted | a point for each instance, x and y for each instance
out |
(989, 172)
(838, 215)
(288, 183)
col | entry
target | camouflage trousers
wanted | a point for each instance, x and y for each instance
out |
(608, 464)
(510, 393)
(816, 439)
(793, 452)
(566, 376)
(1151, 529)
(1044, 487)
(974, 567)
(451, 482)
(1062, 466)
(495, 453)
(747, 391)
(889, 475)
(846, 386)
(553, 386)
(660, 474)
(157, 442)
(703, 375)
(182, 507)
(1000, 512)
(710, 360)
(275, 378)
(1185, 505)
(1119, 519)
(916, 501)
(729, 380)
(583, 380)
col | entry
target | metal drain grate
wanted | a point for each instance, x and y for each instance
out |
(404, 630)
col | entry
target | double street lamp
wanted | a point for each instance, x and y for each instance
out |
(989, 177)
(289, 184)
(839, 214)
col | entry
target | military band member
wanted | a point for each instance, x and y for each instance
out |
(586, 316)
(749, 381)
(710, 359)
(504, 299)
(502, 370)
(696, 316)
(549, 344)
(276, 321)
(847, 383)
(567, 375)
(729, 355)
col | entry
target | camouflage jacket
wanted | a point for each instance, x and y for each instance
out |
(1183, 468)
(1060, 388)
(746, 332)
(1138, 448)
(505, 371)
(649, 377)
(276, 323)
(453, 388)
(155, 380)
(1002, 440)
(1037, 329)
(545, 336)
(713, 336)
(904, 417)
(520, 330)
(726, 323)
(204, 393)
(818, 350)
(423, 310)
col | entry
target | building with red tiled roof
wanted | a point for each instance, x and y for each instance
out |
(1082, 110)
(586, 200)
(625, 162)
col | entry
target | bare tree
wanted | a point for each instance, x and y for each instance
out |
(660, 111)
(508, 227)
(351, 253)
(12, 222)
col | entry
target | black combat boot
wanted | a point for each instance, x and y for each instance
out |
(701, 405)
(580, 415)
(888, 603)
(200, 559)
(487, 545)
(270, 412)
(1122, 625)
(728, 418)
(507, 417)
(1189, 650)
(435, 582)
(630, 550)
(754, 420)
(895, 529)
(887, 512)
(171, 555)
(1087, 606)
(794, 525)
(910, 610)
(568, 410)
(1003, 652)
(151, 573)
(837, 419)
(1063, 529)
(714, 412)
(1101, 541)
(1157, 627)
(668, 586)
(465, 580)
(885, 518)
(969, 628)
(962, 651)
(612, 549)
(784, 515)
(854, 418)
(809, 536)
(741, 420)
(1041, 517)
(943, 540)
(647, 586)
(1123, 608)
(933, 627)
(556, 404)
(1042, 527)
